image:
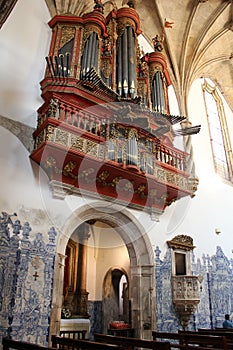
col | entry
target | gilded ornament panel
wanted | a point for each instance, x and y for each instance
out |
(67, 34)
(62, 137)
(123, 23)
(77, 143)
(50, 133)
(88, 31)
(92, 148)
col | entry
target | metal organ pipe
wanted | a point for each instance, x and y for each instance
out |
(157, 95)
(161, 92)
(84, 57)
(95, 51)
(90, 54)
(157, 92)
(131, 61)
(132, 151)
(119, 69)
(125, 63)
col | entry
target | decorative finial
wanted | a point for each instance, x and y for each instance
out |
(99, 6)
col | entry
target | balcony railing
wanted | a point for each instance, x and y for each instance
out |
(94, 135)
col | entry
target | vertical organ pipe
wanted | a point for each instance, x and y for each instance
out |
(92, 48)
(131, 61)
(119, 68)
(84, 56)
(157, 95)
(157, 91)
(95, 52)
(162, 93)
(153, 93)
(89, 52)
(125, 63)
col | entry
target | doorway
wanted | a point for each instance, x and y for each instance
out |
(116, 301)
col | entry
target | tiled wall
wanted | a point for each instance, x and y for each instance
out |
(216, 297)
(26, 280)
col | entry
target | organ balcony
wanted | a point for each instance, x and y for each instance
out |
(117, 150)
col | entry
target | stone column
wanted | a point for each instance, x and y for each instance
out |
(81, 295)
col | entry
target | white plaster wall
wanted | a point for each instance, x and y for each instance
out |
(24, 40)
(24, 43)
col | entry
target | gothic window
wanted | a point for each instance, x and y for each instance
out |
(218, 130)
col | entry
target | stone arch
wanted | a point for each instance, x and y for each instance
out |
(141, 261)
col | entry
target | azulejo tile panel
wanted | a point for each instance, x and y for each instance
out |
(215, 290)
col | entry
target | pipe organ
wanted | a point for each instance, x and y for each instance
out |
(105, 116)
(89, 57)
(126, 63)
(157, 92)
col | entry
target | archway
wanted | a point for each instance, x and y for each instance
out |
(116, 301)
(142, 281)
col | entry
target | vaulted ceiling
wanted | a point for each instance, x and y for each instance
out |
(199, 44)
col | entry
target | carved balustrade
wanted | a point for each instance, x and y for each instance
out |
(104, 139)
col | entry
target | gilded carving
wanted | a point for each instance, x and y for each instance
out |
(106, 68)
(103, 176)
(62, 137)
(40, 139)
(101, 151)
(125, 22)
(88, 31)
(91, 148)
(141, 88)
(132, 133)
(77, 143)
(141, 190)
(53, 110)
(67, 34)
(50, 133)
(50, 162)
(115, 181)
(68, 168)
(181, 242)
